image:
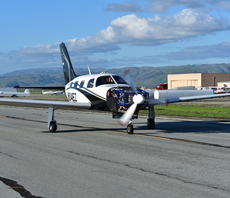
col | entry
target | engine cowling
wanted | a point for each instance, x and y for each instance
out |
(121, 98)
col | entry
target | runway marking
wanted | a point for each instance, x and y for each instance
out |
(118, 131)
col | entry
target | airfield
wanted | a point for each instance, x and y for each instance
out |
(91, 155)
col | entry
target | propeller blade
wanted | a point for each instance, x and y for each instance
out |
(125, 118)
(129, 80)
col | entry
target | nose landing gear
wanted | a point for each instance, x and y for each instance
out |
(130, 128)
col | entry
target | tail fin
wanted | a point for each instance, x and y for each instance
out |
(27, 91)
(68, 70)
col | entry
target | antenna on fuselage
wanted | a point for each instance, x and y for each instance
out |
(89, 70)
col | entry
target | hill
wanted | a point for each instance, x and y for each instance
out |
(142, 76)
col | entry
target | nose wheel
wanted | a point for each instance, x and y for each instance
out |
(130, 128)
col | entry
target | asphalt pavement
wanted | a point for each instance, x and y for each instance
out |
(90, 155)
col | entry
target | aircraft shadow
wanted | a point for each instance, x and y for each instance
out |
(187, 127)
(77, 130)
(162, 127)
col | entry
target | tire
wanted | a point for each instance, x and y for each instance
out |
(53, 126)
(130, 129)
(151, 123)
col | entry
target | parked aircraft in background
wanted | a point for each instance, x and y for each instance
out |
(14, 93)
(107, 92)
(52, 92)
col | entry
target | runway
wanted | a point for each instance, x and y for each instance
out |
(90, 155)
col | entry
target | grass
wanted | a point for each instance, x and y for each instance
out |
(192, 111)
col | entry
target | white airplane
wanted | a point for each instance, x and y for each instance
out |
(106, 92)
(52, 92)
(14, 93)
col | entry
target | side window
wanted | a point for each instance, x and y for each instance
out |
(76, 84)
(82, 83)
(90, 83)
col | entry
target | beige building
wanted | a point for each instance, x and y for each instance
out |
(223, 84)
(196, 79)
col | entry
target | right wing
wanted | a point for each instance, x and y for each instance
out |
(184, 99)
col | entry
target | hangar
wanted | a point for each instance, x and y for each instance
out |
(197, 79)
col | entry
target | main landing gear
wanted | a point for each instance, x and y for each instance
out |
(151, 118)
(52, 124)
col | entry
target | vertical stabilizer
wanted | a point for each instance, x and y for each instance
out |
(68, 70)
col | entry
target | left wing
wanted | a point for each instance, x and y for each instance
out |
(46, 87)
(52, 105)
(46, 103)
(184, 98)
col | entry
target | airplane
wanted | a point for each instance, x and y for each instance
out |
(52, 92)
(109, 92)
(14, 93)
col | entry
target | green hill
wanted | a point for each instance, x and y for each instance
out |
(142, 76)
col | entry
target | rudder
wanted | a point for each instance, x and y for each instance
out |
(68, 70)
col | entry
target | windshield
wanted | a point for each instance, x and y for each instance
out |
(102, 80)
(119, 80)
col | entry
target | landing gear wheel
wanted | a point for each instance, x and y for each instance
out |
(53, 126)
(130, 129)
(151, 123)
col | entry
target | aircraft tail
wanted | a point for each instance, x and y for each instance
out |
(68, 70)
(27, 91)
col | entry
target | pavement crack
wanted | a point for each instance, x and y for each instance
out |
(151, 172)
(18, 188)
(7, 155)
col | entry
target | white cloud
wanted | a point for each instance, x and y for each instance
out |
(163, 6)
(221, 50)
(135, 30)
(225, 5)
(125, 7)
(130, 29)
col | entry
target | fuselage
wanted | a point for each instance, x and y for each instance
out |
(93, 88)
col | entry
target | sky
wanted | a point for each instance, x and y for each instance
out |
(113, 34)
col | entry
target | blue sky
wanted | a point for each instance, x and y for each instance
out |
(113, 34)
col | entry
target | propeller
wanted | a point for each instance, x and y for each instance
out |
(137, 99)
(125, 118)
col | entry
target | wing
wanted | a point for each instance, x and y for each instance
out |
(184, 98)
(52, 87)
(52, 105)
(45, 103)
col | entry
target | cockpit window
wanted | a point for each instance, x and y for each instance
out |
(104, 80)
(119, 80)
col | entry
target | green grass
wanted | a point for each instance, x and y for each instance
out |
(192, 111)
